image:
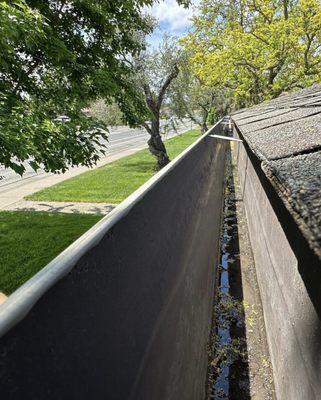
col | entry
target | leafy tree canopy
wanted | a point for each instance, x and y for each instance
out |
(108, 113)
(190, 97)
(56, 56)
(258, 48)
(153, 73)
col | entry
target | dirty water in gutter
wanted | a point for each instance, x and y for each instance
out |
(229, 375)
(228, 336)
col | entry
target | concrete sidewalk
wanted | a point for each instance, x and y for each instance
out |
(62, 207)
(14, 193)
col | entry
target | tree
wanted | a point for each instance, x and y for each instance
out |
(257, 48)
(56, 57)
(154, 72)
(189, 97)
(109, 114)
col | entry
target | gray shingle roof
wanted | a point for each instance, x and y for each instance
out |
(285, 134)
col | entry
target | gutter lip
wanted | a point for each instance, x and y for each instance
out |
(21, 301)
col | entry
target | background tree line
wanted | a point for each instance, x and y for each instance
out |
(256, 49)
(63, 56)
(57, 57)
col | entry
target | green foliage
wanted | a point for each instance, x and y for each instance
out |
(154, 71)
(109, 114)
(257, 48)
(212, 116)
(190, 97)
(55, 57)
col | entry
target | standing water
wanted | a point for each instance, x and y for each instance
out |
(228, 367)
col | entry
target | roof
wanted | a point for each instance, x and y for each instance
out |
(285, 134)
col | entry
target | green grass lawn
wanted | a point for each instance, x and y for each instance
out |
(113, 182)
(29, 240)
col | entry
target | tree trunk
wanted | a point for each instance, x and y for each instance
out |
(204, 127)
(157, 147)
(154, 103)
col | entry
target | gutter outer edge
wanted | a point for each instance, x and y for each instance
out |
(20, 302)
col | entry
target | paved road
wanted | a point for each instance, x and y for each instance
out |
(122, 141)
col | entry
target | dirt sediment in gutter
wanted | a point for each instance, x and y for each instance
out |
(239, 361)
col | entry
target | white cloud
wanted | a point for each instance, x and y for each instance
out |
(171, 16)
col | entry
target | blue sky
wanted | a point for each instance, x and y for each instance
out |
(173, 19)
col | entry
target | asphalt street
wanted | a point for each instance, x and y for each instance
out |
(122, 141)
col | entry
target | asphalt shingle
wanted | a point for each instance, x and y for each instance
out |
(285, 134)
(298, 183)
(284, 139)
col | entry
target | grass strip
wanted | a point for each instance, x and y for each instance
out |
(113, 182)
(29, 240)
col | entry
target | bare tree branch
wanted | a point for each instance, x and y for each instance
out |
(165, 85)
(152, 105)
(147, 127)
